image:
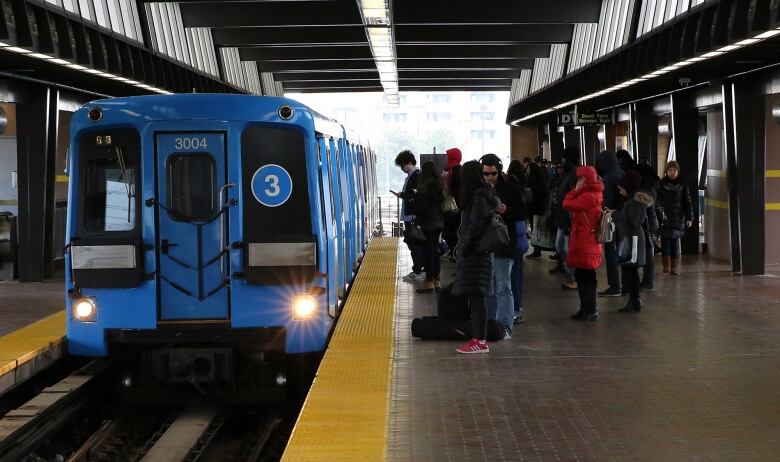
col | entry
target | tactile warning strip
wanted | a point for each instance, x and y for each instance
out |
(345, 414)
(28, 342)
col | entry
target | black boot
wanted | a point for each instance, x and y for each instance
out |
(537, 253)
(590, 296)
(634, 305)
(580, 313)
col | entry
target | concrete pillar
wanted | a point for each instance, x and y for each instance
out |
(645, 128)
(556, 143)
(589, 140)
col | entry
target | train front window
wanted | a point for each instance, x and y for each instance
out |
(110, 193)
(192, 183)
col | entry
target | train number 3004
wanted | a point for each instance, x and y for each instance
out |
(190, 143)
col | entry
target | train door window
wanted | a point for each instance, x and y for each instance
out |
(110, 194)
(192, 186)
(321, 185)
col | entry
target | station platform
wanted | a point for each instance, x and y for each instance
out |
(694, 376)
(32, 330)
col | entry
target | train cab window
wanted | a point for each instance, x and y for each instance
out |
(192, 189)
(110, 194)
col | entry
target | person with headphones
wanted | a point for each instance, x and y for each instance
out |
(512, 209)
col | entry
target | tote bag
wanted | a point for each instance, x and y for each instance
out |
(495, 235)
(628, 250)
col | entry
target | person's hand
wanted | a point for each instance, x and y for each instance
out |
(580, 183)
(501, 209)
(688, 224)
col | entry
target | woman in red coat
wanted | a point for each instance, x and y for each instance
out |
(584, 205)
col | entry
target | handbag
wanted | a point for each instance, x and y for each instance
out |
(448, 203)
(414, 235)
(628, 250)
(495, 236)
(521, 228)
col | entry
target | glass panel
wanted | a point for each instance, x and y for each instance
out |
(84, 7)
(116, 20)
(69, 5)
(659, 13)
(642, 15)
(174, 35)
(100, 13)
(165, 23)
(182, 38)
(127, 19)
(192, 188)
(110, 194)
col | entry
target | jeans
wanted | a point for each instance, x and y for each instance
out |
(670, 246)
(562, 247)
(631, 281)
(517, 283)
(611, 261)
(432, 260)
(500, 305)
(478, 316)
(417, 251)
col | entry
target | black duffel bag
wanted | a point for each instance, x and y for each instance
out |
(433, 328)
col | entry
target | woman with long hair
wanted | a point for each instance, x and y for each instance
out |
(428, 215)
(675, 199)
(474, 268)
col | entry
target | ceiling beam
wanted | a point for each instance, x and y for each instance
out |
(451, 74)
(463, 12)
(276, 66)
(328, 84)
(300, 53)
(285, 37)
(474, 51)
(325, 76)
(456, 83)
(470, 35)
(264, 14)
(468, 64)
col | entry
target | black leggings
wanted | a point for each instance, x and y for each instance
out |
(432, 260)
(631, 280)
(478, 316)
(584, 275)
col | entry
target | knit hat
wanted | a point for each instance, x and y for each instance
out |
(631, 181)
(672, 164)
(454, 157)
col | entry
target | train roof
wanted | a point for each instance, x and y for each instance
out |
(217, 106)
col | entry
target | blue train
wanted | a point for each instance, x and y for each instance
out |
(211, 232)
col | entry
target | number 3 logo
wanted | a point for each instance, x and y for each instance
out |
(272, 185)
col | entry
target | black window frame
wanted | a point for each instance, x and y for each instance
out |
(178, 215)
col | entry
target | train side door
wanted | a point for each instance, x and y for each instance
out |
(192, 221)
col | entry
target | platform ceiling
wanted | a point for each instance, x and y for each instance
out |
(322, 46)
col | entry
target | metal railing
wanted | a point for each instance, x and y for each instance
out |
(389, 216)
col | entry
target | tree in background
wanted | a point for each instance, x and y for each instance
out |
(389, 176)
(441, 139)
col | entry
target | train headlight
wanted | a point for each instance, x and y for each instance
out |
(304, 306)
(85, 309)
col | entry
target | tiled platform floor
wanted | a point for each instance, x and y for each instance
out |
(694, 377)
(24, 303)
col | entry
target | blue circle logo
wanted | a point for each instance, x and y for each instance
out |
(272, 185)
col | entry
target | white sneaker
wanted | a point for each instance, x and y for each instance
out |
(414, 277)
(507, 335)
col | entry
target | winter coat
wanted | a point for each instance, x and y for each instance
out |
(608, 169)
(584, 205)
(630, 221)
(560, 217)
(407, 195)
(510, 194)
(427, 207)
(474, 272)
(538, 181)
(675, 200)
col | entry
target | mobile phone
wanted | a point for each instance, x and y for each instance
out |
(393, 192)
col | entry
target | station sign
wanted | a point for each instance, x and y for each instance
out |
(579, 116)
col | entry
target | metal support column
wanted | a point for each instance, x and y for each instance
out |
(556, 143)
(748, 126)
(589, 141)
(33, 160)
(685, 129)
(645, 127)
(732, 177)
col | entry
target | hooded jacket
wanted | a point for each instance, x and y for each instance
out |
(608, 169)
(675, 199)
(630, 220)
(584, 205)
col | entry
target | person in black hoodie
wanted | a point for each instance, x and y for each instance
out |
(560, 217)
(675, 199)
(650, 184)
(501, 306)
(428, 215)
(608, 169)
(539, 182)
(406, 161)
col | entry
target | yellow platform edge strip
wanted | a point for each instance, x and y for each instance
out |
(28, 342)
(345, 416)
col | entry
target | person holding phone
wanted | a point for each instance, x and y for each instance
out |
(406, 161)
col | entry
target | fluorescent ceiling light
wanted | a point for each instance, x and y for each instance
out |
(728, 48)
(712, 54)
(18, 50)
(767, 34)
(749, 41)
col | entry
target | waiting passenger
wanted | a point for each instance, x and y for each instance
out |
(501, 305)
(561, 218)
(474, 269)
(584, 205)
(608, 169)
(452, 220)
(539, 182)
(630, 221)
(428, 215)
(518, 174)
(675, 199)
(408, 164)
(650, 184)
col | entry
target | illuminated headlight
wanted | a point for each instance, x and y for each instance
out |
(304, 306)
(85, 310)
